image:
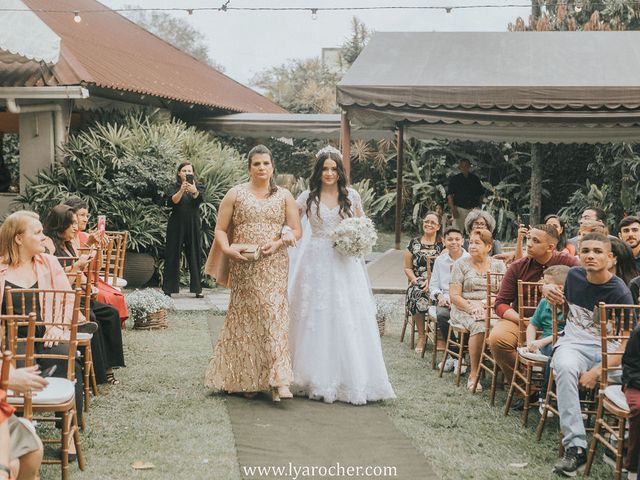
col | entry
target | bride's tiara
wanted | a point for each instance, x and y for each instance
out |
(329, 149)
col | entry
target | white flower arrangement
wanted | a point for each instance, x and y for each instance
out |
(143, 302)
(386, 308)
(354, 236)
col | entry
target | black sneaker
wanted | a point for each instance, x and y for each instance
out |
(573, 461)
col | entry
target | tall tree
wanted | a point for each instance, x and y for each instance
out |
(352, 47)
(176, 31)
(300, 86)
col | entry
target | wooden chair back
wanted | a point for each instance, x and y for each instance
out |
(115, 255)
(82, 281)
(24, 356)
(4, 371)
(53, 303)
(494, 280)
(529, 296)
(616, 323)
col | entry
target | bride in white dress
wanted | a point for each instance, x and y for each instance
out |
(333, 334)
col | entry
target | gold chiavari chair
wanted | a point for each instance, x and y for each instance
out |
(59, 396)
(114, 259)
(4, 372)
(488, 365)
(80, 280)
(616, 322)
(528, 370)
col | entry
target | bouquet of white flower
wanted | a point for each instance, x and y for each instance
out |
(354, 236)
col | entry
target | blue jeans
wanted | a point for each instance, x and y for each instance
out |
(568, 362)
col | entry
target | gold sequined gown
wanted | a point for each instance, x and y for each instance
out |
(252, 352)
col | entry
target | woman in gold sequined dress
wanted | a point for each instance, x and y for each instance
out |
(252, 352)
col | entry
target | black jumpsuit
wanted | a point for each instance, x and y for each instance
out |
(184, 228)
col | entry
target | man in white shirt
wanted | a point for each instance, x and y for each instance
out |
(439, 283)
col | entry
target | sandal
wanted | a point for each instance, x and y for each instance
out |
(111, 379)
(470, 383)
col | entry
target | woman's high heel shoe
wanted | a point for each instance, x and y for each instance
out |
(285, 393)
(275, 394)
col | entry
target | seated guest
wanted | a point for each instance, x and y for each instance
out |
(421, 250)
(577, 354)
(623, 263)
(481, 219)
(594, 215)
(631, 387)
(61, 225)
(106, 293)
(541, 254)
(439, 284)
(590, 226)
(629, 232)
(23, 264)
(20, 447)
(541, 318)
(563, 245)
(468, 289)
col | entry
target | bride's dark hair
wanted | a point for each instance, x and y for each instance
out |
(315, 184)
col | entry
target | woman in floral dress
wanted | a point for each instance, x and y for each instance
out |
(420, 253)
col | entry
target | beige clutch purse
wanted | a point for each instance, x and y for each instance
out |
(251, 252)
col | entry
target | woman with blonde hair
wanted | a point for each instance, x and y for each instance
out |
(23, 264)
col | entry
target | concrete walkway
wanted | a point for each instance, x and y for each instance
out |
(300, 434)
(386, 273)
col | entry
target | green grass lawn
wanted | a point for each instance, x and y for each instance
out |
(162, 414)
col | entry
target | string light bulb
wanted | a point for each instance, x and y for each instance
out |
(76, 17)
(314, 14)
(190, 11)
(448, 9)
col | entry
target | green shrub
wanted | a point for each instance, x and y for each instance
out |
(123, 169)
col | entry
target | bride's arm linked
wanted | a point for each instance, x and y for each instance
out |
(357, 203)
(225, 214)
(293, 233)
(288, 235)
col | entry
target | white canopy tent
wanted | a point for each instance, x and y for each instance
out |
(528, 87)
(24, 37)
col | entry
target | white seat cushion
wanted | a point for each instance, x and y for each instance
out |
(536, 357)
(120, 282)
(616, 395)
(84, 336)
(432, 311)
(59, 390)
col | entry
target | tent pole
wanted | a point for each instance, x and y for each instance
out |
(345, 139)
(399, 187)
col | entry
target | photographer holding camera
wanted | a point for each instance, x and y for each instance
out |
(184, 229)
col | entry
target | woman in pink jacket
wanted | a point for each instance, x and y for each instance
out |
(23, 264)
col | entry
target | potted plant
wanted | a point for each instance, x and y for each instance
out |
(148, 308)
(385, 309)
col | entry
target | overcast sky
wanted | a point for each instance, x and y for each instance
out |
(248, 42)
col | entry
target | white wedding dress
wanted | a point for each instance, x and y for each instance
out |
(333, 335)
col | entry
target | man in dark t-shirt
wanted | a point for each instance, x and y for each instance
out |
(464, 193)
(577, 354)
